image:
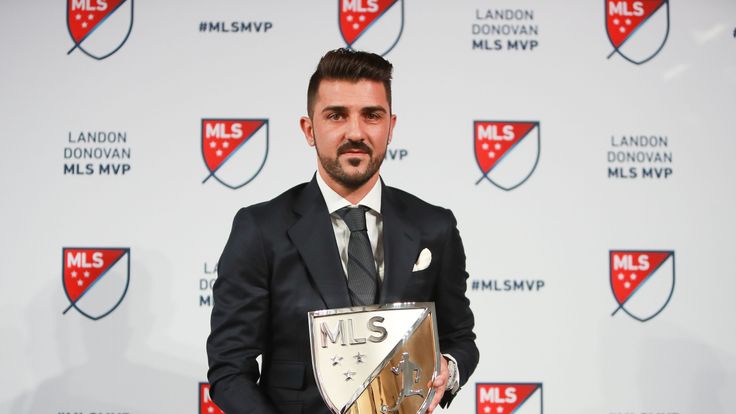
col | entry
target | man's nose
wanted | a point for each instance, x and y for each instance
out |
(354, 129)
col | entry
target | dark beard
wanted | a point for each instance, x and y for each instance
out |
(335, 171)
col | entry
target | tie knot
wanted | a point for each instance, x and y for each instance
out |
(354, 217)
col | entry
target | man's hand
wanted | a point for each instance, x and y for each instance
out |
(439, 385)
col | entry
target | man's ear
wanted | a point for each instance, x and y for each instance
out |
(305, 123)
(391, 128)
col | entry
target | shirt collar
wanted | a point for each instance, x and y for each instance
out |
(335, 201)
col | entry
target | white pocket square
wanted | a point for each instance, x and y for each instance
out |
(423, 261)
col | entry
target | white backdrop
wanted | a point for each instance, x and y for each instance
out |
(556, 229)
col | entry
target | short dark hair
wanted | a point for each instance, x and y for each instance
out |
(349, 65)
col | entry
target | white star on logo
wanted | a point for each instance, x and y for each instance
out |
(336, 360)
(359, 358)
(349, 374)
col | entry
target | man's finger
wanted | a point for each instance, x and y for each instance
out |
(436, 400)
(440, 382)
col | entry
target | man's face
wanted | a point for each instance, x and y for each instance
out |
(351, 126)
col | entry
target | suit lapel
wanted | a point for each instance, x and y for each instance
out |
(314, 238)
(400, 246)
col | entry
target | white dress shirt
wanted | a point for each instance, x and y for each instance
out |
(373, 222)
(374, 226)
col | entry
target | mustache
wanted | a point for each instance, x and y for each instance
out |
(354, 145)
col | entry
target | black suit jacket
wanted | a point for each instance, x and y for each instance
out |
(281, 261)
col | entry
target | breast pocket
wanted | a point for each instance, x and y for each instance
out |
(421, 286)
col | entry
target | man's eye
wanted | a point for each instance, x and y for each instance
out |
(334, 116)
(373, 115)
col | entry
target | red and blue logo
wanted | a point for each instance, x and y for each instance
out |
(637, 29)
(507, 152)
(95, 279)
(642, 281)
(99, 28)
(234, 150)
(371, 25)
(509, 398)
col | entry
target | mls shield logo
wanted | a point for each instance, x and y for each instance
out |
(206, 405)
(509, 398)
(637, 29)
(234, 150)
(95, 280)
(377, 358)
(99, 28)
(507, 152)
(642, 281)
(371, 25)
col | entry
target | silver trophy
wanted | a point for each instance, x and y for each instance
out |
(376, 359)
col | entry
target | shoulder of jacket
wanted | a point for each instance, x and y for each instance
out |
(281, 203)
(413, 203)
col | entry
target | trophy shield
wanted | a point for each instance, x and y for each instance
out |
(376, 359)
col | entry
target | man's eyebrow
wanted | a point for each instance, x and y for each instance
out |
(335, 108)
(376, 108)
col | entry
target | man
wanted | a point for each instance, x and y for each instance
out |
(295, 253)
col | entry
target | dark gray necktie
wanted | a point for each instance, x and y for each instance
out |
(362, 274)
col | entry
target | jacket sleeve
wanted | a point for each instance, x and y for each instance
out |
(454, 318)
(239, 322)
